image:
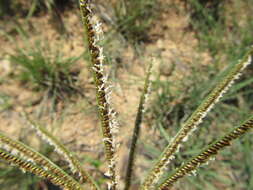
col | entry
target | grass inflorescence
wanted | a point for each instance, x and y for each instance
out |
(54, 75)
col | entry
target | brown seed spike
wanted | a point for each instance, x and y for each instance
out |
(205, 155)
(96, 54)
(194, 120)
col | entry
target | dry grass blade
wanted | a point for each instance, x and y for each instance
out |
(62, 150)
(37, 170)
(195, 119)
(35, 157)
(136, 132)
(206, 154)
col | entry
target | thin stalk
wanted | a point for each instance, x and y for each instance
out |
(137, 128)
(206, 154)
(195, 119)
(108, 127)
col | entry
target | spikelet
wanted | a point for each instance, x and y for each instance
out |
(28, 166)
(27, 153)
(195, 119)
(137, 127)
(206, 154)
(108, 123)
(62, 150)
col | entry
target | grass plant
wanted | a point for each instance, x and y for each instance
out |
(43, 71)
(5, 102)
(134, 18)
(210, 18)
(43, 74)
(31, 7)
(207, 18)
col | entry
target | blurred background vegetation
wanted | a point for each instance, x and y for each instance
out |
(42, 53)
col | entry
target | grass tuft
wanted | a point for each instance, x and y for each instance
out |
(45, 72)
(134, 18)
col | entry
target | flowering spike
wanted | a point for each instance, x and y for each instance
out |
(206, 155)
(17, 148)
(62, 150)
(25, 166)
(195, 119)
(108, 124)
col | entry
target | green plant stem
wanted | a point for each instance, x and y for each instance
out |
(206, 154)
(137, 128)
